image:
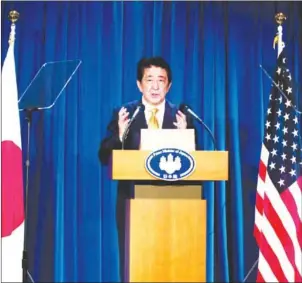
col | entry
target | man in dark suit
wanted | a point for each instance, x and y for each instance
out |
(154, 79)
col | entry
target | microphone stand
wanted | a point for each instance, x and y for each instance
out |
(186, 109)
(209, 131)
(136, 112)
(125, 135)
(25, 273)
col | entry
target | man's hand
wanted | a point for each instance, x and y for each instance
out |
(123, 121)
(181, 120)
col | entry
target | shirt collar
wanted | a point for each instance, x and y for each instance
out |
(149, 107)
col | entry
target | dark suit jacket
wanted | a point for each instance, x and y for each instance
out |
(112, 141)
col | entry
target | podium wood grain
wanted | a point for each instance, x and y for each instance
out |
(167, 240)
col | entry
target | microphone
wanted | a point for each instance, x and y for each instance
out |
(139, 108)
(184, 108)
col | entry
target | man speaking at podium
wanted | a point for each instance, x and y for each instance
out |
(153, 111)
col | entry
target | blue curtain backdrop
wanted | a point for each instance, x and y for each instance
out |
(214, 49)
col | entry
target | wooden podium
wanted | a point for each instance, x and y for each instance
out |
(167, 224)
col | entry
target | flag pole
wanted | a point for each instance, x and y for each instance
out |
(280, 18)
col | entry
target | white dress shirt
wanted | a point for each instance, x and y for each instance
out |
(148, 112)
(159, 115)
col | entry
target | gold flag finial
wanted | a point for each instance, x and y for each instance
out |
(280, 18)
(13, 16)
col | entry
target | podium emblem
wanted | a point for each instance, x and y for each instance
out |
(170, 164)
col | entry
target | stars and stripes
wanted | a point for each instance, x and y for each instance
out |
(278, 217)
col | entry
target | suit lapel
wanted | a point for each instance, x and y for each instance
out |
(169, 116)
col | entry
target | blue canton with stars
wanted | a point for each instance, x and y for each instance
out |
(282, 136)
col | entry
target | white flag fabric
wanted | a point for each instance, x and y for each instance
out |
(12, 199)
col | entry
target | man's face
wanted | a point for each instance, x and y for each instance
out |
(154, 85)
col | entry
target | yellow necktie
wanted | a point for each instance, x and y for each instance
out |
(153, 123)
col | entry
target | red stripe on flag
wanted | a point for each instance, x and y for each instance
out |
(272, 259)
(299, 182)
(298, 277)
(281, 232)
(257, 235)
(12, 209)
(259, 203)
(292, 208)
(262, 170)
(259, 277)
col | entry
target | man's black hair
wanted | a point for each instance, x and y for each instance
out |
(152, 61)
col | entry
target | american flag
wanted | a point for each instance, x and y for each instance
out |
(278, 217)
